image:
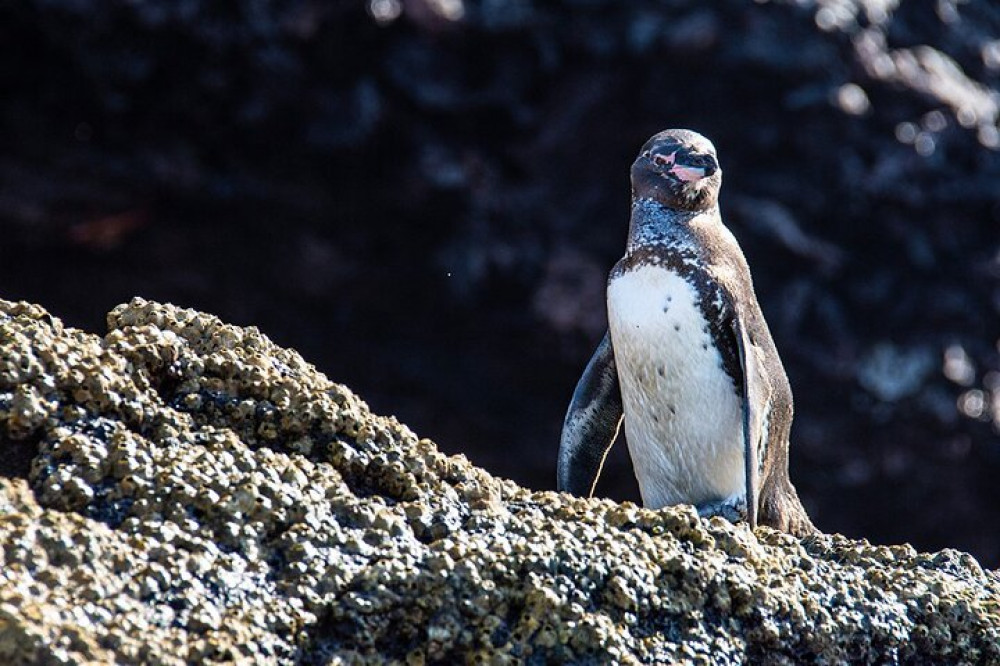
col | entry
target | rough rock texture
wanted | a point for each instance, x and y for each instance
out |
(184, 491)
(367, 170)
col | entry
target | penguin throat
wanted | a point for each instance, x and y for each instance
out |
(653, 223)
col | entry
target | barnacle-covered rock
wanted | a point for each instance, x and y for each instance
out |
(198, 494)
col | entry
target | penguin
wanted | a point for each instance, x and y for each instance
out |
(688, 365)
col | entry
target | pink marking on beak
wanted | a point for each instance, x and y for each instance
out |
(687, 174)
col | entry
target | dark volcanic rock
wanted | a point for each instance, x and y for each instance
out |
(443, 183)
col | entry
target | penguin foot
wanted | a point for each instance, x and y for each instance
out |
(733, 509)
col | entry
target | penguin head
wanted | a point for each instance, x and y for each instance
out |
(679, 169)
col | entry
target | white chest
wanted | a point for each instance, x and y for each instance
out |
(683, 419)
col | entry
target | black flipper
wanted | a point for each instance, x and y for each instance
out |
(592, 423)
(756, 401)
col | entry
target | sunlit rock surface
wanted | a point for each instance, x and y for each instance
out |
(260, 159)
(184, 491)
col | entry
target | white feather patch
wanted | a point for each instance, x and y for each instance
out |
(683, 418)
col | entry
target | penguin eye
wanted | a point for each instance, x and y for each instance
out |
(664, 160)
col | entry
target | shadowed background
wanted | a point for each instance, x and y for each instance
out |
(424, 198)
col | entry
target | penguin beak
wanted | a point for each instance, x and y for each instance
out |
(690, 172)
(686, 173)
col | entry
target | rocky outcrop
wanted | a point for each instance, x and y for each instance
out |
(365, 170)
(185, 491)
